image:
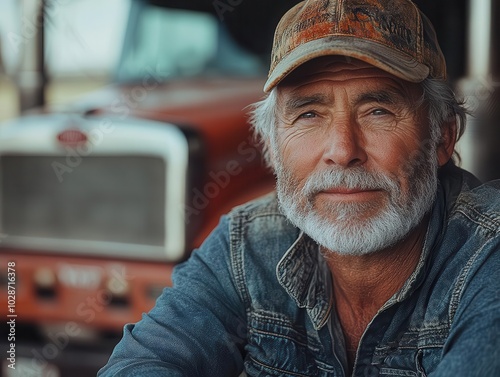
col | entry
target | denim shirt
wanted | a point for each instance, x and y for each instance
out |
(255, 300)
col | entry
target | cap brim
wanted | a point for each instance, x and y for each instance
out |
(386, 58)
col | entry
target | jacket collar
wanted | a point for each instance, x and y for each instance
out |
(452, 182)
(302, 271)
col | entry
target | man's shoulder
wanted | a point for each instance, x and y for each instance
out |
(481, 204)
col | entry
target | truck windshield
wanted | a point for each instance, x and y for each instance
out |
(180, 43)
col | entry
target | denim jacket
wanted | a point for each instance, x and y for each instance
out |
(255, 300)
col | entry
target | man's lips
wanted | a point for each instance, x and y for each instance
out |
(349, 192)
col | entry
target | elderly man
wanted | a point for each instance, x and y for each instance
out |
(379, 257)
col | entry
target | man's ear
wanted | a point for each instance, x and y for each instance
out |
(446, 145)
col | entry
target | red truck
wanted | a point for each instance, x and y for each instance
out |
(100, 201)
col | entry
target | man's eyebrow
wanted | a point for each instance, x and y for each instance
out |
(382, 96)
(298, 102)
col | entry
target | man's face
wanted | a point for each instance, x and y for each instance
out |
(355, 165)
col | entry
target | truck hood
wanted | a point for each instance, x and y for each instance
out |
(191, 102)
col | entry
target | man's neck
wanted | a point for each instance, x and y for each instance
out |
(370, 280)
(362, 284)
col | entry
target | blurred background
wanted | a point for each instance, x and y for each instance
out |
(123, 138)
(83, 42)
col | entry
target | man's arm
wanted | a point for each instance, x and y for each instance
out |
(197, 327)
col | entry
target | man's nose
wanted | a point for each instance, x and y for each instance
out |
(344, 143)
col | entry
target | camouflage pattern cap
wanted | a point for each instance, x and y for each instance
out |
(393, 35)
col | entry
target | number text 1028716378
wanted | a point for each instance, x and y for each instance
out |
(11, 316)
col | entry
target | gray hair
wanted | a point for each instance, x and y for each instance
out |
(440, 99)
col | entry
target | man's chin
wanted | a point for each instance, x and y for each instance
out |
(348, 215)
(354, 235)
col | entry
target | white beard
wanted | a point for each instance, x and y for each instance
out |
(351, 228)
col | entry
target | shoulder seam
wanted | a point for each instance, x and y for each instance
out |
(459, 286)
(488, 222)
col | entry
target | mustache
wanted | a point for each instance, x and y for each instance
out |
(351, 178)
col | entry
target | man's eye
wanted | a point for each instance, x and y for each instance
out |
(308, 115)
(380, 112)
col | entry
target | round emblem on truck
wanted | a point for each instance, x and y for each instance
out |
(72, 137)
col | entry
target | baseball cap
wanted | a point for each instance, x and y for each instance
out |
(393, 35)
